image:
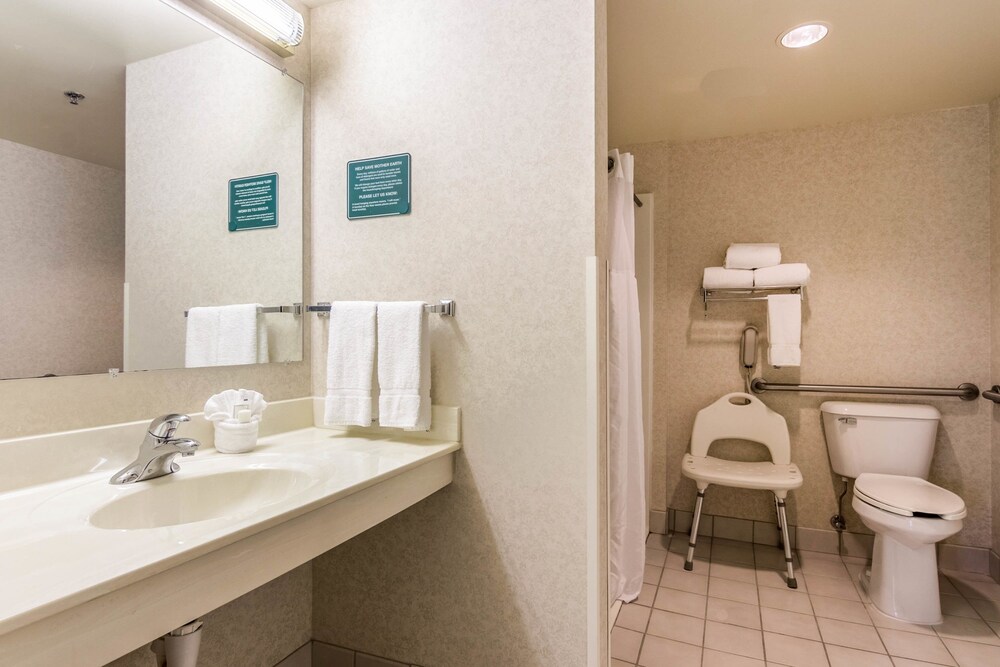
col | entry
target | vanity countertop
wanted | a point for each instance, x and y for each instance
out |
(52, 558)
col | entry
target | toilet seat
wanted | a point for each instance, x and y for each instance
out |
(909, 496)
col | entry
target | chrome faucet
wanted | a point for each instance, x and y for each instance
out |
(157, 452)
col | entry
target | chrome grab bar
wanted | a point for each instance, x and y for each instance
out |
(993, 393)
(965, 391)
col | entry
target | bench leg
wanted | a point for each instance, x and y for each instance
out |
(689, 561)
(777, 514)
(783, 522)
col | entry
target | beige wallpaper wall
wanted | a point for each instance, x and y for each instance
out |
(63, 236)
(995, 311)
(258, 629)
(198, 117)
(892, 216)
(491, 570)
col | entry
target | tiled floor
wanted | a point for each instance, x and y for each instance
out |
(734, 610)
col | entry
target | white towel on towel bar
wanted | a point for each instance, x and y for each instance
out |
(225, 336)
(783, 275)
(404, 366)
(752, 255)
(716, 277)
(350, 360)
(784, 330)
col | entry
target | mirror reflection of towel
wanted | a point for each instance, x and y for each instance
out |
(225, 336)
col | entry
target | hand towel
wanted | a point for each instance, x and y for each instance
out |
(752, 255)
(716, 277)
(225, 336)
(784, 330)
(783, 275)
(350, 357)
(404, 366)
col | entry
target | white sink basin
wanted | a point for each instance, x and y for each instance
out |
(219, 487)
(170, 500)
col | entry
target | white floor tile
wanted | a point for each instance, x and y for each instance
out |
(842, 610)
(849, 657)
(851, 635)
(678, 627)
(915, 647)
(734, 613)
(969, 654)
(789, 623)
(734, 639)
(660, 652)
(735, 610)
(680, 580)
(690, 604)
(793, 651)
(728, 589)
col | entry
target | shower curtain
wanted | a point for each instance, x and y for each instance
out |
(626, 448)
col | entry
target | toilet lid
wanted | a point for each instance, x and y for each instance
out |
(908, 496)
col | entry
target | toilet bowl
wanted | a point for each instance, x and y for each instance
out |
(909, 516)
(887, 448)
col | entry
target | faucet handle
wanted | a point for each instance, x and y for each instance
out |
(164, 426)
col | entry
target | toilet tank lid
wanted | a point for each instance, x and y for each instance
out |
(893, 410)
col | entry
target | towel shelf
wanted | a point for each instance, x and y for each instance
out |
(747, 294)
(444, 308)
(965, 391)
(992, 394)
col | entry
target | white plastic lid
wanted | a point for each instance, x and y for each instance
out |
(908, 496)
(893, 410)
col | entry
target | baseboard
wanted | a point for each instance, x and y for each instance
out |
(978, 560)
(328, 655)
(300, 657)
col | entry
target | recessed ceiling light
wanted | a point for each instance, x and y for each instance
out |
(804, 35)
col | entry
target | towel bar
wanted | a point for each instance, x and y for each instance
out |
(444, 308)
(965, 391)
(295, 309)
(993, 393)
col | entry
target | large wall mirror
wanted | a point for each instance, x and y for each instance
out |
(150, 193)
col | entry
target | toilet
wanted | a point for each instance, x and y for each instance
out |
(887, 449)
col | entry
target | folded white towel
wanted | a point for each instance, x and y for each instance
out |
(716, 277)
(350, 358)
(783, 275)
(225, 336)
(404, 366)
(752, 255)
(784, 330)
(224, 405)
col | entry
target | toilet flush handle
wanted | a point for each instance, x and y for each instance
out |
(850, 421)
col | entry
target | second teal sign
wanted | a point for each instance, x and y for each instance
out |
(378, 186)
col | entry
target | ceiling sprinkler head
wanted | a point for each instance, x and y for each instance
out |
(74, 97)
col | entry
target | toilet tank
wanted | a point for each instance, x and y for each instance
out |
(888, 438)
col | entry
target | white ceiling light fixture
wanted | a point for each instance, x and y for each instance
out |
(274, 19)
(804, 35)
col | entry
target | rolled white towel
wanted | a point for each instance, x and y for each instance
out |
(752, 255)
(716, 277)
(783, 275)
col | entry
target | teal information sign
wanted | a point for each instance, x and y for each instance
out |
(253, 202)
(378, 186)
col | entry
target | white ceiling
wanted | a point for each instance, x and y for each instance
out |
(689, 69)
(50, 46)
